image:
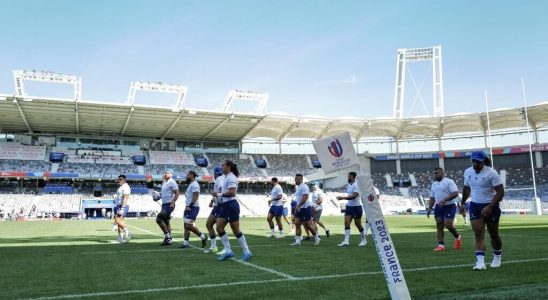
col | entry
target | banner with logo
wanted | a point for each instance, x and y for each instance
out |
(390, 264)
(336, 152)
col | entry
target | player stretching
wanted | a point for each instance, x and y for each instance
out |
(276, 208)
(303, 211)
(212, 219)
(192, 209)
(121, 209)
(485, 186)
(443, 194)
(170, 194)
(353, 210)
(230, 212)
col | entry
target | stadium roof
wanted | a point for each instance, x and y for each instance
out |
(48, 115)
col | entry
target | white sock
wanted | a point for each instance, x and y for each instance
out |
(363, 234)
(281, 232)
(273, 231)
(499, 257)
(243, 243)
(213, 243)
(185, 242)
(202, 236)
(167, 235)
(481, 259)
(126, 231)
(347, 235)
(298, 238)
(226, 243)
(367, 228)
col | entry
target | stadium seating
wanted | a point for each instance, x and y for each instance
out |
(287, 165)
(22, 152)
(57, 188)
(245, 165)
(24, 165)
(170, 158)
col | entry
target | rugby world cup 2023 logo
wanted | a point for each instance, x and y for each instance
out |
(336, 149)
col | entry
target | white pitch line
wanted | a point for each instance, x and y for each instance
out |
(281, 274)
(154, 250)
(217, 285)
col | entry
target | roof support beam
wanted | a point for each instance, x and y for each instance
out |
(254, 126)
(361, 133)
(172, 124)
(217, 127)
(288, 131)
(326, 129)
(23, 115)
(127, 120)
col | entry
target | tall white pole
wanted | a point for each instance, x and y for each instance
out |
(489, 130)
(537, 201)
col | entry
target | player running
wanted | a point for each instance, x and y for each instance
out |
(443, 194)
(317, 198)
(169, 195)
(214, 203)
(353, 210)
(121, 209)
(303, 211)
(192, 209)
(229, 212)
(485, 186)
(286, 208)
(276, 209)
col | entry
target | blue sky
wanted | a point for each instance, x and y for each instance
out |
(329, 58)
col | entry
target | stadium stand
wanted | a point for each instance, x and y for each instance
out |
(22, 152)
(170, 158)
(287, 165)
(245, 163)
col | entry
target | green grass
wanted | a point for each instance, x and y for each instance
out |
(49, 259)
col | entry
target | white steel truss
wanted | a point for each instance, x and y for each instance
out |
(158, 87)
(404, 56)
(261, 98)
(19, 76)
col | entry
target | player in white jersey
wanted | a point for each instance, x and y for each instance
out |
(214, 203)
(303, 211)
(443, 195)
(229, 212)
(121, 209)
(353, 210)
(286, 209)
(169, 195)
(192, 208)
(276, 208)
(317, 199)
(485, 186)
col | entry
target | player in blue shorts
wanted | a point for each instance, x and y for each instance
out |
(192, 208)
(276, 208)
(169, 195)
(121, 209)
(230, 212)
(353, 211)
(286, 210)
(443, 194)
(303, 211)
(214, 203)
(485, 186)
